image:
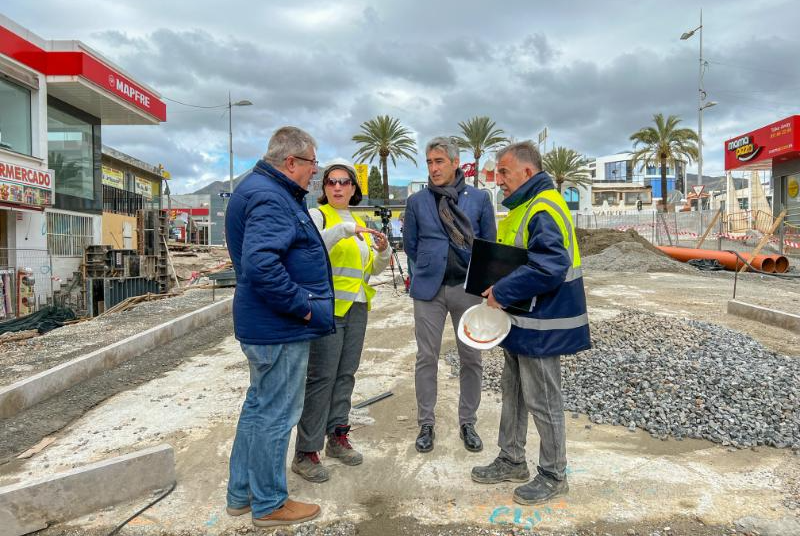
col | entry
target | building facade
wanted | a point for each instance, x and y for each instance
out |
(55, 96)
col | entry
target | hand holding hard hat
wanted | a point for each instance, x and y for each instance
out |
(483, 327)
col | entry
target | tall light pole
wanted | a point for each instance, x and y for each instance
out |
(230, 137)
(702, 105)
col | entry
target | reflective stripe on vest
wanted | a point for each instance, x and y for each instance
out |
(548, 324)
(564, 222)
(350, 276)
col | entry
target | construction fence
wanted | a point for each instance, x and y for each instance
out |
(740, 231)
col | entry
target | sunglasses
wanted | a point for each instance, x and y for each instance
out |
(340, 182)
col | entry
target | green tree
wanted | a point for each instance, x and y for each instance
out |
(664, 145)
(375, 183)
(566, 165)
(385, 138)
(479, 136)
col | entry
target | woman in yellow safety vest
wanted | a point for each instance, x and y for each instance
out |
(356, 253)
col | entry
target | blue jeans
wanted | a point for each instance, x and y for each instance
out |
(272, 407)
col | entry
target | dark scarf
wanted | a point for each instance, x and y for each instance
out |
(456, 223)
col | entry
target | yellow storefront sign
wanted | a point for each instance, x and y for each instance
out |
(113, 177)
(362, 174)
(143, 187)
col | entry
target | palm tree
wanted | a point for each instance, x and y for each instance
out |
(385, 138)
(664, 145)
(479, 136)
(566, 165)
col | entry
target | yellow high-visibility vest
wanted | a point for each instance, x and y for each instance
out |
(513, 229)
(350, 275)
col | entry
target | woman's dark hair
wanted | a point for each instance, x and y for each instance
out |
(357, 195)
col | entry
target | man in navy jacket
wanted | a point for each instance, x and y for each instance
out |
(284, 298)
(440, 223)
(558, 324)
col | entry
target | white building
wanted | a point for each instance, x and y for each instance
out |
(617, 183)
(55, 96)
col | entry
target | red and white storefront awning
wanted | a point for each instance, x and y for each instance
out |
(81, 77)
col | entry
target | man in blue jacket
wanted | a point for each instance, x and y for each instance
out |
(557, 324)
(440, 223)
(283, 299)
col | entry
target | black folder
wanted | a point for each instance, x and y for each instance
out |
(490, 262)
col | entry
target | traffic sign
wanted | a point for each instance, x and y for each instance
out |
(698, 188)
(224, 194)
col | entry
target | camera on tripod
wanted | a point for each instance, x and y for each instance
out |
(384, 213)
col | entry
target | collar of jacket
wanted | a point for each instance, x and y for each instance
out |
(535, 185)
(272, 172)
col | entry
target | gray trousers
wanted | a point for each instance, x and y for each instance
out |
(429, 317)
(332, 364)
(533, 384)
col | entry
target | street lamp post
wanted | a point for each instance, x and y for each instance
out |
(230, 137)
(702, 105)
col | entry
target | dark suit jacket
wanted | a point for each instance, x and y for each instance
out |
(425, 239)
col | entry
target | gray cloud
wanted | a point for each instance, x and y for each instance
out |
(591, 72)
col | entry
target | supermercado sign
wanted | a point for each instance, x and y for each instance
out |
(779, 139)
(26, 186)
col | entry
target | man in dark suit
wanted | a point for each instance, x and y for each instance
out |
(440, 224)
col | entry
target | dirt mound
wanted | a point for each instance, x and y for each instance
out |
(632, 257)
(593, 241)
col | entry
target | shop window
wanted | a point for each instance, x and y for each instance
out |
(744, 203)
(632, 197)
(70, 153)
(15, 117)
(573, 198)
(611, 197)
(68, 235)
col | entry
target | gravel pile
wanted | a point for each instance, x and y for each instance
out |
(679, 378)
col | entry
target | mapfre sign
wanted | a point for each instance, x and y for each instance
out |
(22, 185)
(781, 139)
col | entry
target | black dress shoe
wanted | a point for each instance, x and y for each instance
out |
(425, 438)
(472, 441)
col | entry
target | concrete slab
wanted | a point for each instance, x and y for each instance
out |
(771, 317)
(30, 391)
(29, 506)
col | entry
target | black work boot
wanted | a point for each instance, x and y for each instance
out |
(540, 490)
(501, 470)
(425, 438)
(472, 441)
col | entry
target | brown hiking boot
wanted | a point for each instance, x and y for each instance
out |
(307, 465)
(290, 513)
(339, 447)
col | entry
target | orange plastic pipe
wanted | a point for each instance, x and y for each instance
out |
(781, 264)
(765, 263)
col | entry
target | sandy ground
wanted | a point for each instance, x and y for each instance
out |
(620, 481)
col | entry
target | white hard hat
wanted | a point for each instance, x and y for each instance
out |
(339, 163)
(483, 327)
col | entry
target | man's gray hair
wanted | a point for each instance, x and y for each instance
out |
(446, 144)
(288, 141)
(524, 151)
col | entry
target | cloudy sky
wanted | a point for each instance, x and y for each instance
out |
(593, 72)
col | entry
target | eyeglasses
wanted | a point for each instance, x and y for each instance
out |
(340, 182)
(313, 162)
